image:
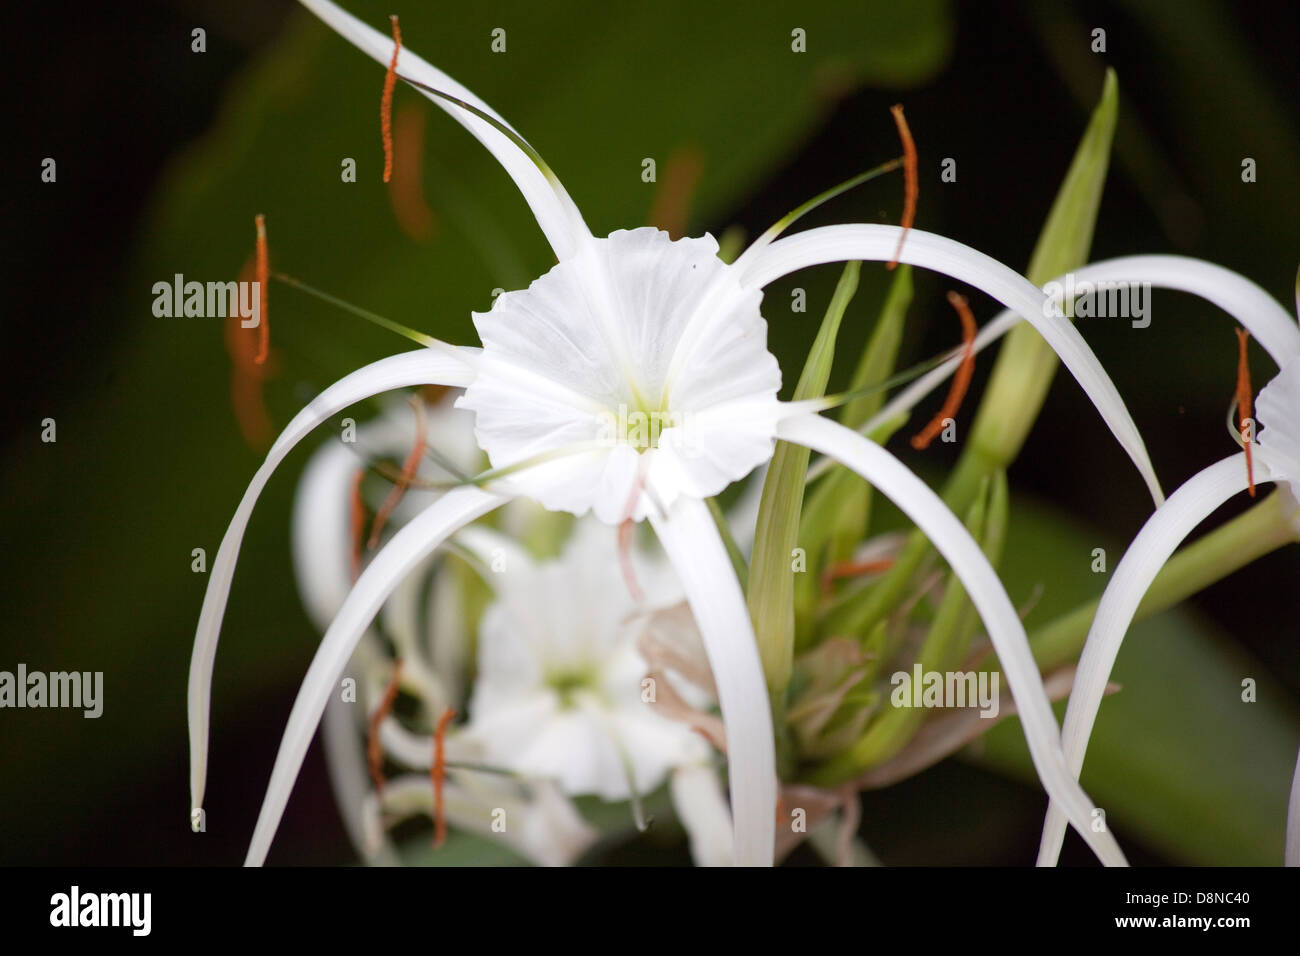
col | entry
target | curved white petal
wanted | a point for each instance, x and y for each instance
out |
(345, 760)
(420, 367)
(1163, 532)
(1271, 325)
(702, 809)
(693, 546)
(411, 545)
(858, 241)
(556, 213)
(950, 537)
(1256, 310)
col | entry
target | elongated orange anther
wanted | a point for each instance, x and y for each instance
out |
(409, 468)
(854, 569)
(909, 179)
(374, 751)
(438, 774)
(263, 281)
(960, 380)
(358, 521)
(1244, 406)
(386, 103)
(407, 195)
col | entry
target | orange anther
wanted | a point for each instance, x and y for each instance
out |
(386, 102)
(438, 774)
(263, 281)
(960, 380)
(409, 468)
(670, 210)
(854, 569)
(410, 210)
(374, 750)
(1244, 406)
(911, 190)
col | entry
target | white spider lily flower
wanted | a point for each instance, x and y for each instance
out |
(562, 691)
(631, 330)
(1276, 458)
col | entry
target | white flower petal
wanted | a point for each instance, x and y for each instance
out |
(1246, 302)
(420, 367)
(950, 537)
(1259, 312)
(691, 541)
(838, 243)
(1163, 532)
(600, 340)
(702, 809)
(411, 545)
(558, 217)
(1277, 409)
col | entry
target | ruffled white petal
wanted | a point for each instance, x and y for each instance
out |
(702, 809)
(691, 541)
(1163, 532)
(950, 537)
(408, 548)
(598, 340)
(558, 217)
(421, 367)
(838, 243)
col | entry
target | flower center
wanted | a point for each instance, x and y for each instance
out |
(570, 682)
(636, 425)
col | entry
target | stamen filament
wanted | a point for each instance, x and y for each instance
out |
(409, 468)
(1244, 406)
(379, 320)
(911, 190)
(386, 101)
(438, 774)
(374, 751)
(960, 379)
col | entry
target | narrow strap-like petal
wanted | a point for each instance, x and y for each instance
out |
(1256, 310)
(951, 539)
(927, 250)
(1163, 532)
(556, 213)
(691, 541)
(702, 809)
(411, 545)
(421, 367)
(1271, 325)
